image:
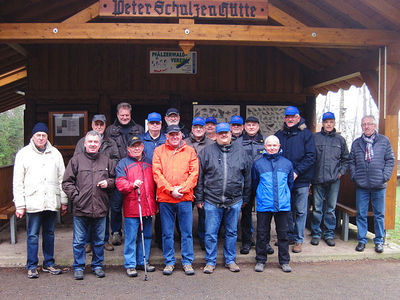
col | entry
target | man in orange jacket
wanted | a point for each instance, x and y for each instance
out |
(176, 169)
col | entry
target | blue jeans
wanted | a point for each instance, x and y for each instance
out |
(82, 227)
(321, 192)
(45, 219)
(116, 211)
(184, 212)
(214, 216)
(299, 206)
(377, 197)
(133, 249)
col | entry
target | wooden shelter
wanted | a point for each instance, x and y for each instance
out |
(75, 55)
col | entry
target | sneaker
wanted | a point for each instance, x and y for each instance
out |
(149, 268)
(315, 241)
(330, 242)
(52, 270)
(33, 273)
(245, 249)
(286, 268)
(270, 250)
(233, 267)
(116, 239)
(188, 269)
(88, 248)
(78, 275)
(259, 267)
(378, 248)
(131, 272)
(209, 269)
(168, 269)
(297, 247)
(99, 273)
(360, 247)
(108, 247)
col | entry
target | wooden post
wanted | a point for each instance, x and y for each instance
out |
(29, 119)
(310, 113)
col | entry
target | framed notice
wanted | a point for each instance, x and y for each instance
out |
(222, 113)
(66, 128)
(173, 62)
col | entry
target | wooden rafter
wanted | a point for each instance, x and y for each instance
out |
(12, 76)
(385, 9)
(282, 17)
(84, 15)
(199, 33)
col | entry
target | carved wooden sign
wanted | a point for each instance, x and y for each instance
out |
(233, 9)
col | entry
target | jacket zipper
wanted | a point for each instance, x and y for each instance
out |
(225, 166)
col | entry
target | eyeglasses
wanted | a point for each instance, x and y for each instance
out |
(367, 124)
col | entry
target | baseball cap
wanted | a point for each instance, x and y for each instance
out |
(99, 118)
(211, 120)
(291, 111)
(223, 127)
(252, 119)
(173, 128)
(135, 139)
(154, 117)
(171, 111)
(198, 121)
(237, 120)
(328, 115)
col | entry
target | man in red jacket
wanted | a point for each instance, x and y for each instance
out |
(134, 173)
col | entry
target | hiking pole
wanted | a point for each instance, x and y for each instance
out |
(141, 228)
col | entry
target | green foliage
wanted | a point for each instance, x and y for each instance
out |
(11, 134)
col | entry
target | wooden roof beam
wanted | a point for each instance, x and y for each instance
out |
(84, 15)
(198, 33)
(282, 17)
(382, 7)
(12, 76)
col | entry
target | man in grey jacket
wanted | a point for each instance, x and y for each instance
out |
(371, 166)
(331, 163)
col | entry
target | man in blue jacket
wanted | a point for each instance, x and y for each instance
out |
(298, 146)
(371, 166)
(331, 163)
(272, 179)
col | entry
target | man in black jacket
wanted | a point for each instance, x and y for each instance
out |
(121, 131)
(331, 163)
(224, 184)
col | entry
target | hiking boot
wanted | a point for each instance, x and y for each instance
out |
(297, 247)
(52, 270)
(209, 269)
(78, 275)
(330, 242)
(188, 269)
(99, 273)
(259, 267)
(233, 267)
(116, 239)
(286, 268)
(88, 248)
(168, 269)
(149, 268)
(378, 248)
(245, 249)
(108, 247)
(33, 273)
(131, 272)
(270, 250)
(315, 241)
(360, 247)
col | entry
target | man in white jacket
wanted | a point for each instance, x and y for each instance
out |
(38, 174)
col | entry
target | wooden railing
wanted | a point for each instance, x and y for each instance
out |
(6, 175)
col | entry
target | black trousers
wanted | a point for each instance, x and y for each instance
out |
(263, 229)
(245, 223)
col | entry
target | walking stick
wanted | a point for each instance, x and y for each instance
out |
(141, 228)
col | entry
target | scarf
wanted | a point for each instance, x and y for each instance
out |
(369, 151)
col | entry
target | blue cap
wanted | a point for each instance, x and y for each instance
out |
(237, 120)
(154, 117)
(223, 127)
(101, 118)
(40, 127)
(328, 115)
(291, 111)
(198, 121)
(211, 120)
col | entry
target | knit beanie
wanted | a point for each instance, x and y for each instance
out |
(40, 127)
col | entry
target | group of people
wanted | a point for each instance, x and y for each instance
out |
(223, 169)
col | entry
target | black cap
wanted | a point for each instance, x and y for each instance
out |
(135, 139)
(172, 110)
(173, 128)
(252, 119)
